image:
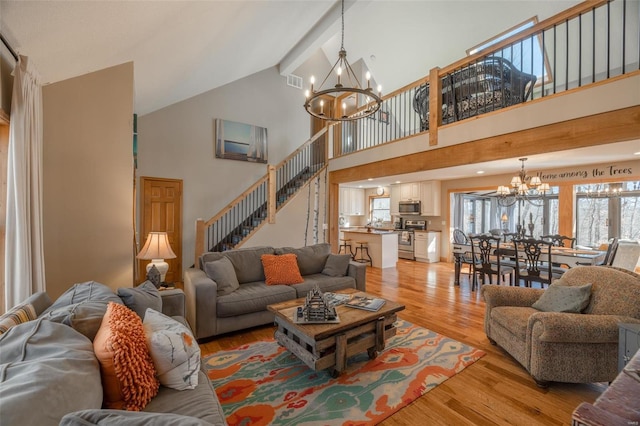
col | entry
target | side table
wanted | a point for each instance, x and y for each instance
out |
(628, 343)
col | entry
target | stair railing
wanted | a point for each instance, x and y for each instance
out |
(259, 203)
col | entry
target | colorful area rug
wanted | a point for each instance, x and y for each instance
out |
(263, 384)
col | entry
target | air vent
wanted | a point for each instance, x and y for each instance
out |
(294, 81)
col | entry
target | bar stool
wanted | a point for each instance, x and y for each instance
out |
(345, 243)
(364, 249)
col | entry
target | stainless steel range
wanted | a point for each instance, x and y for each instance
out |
(406, 238)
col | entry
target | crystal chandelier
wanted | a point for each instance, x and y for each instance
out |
(521, 190)
(320, 101)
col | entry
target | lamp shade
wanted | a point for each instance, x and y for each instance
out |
(156, 247)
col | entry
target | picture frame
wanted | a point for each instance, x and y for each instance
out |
(383, 116)
(240, 141)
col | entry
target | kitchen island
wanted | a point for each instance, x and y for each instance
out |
(383, 245)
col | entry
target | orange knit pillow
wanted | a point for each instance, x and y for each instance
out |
(128, 375)
(281, 269)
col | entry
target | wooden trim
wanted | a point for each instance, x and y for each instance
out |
(599, 129)
(4, 117)
(200, 229)
(4, 155)
(565, 209)
(435, 111)
(334, 224)
(272, 188)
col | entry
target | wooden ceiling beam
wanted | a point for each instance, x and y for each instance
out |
(608, 127)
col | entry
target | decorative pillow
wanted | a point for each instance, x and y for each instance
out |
(311, 259)
(128, 376)
(48, 369)
(17, 315)
(564, 298)
(138, 299)
(337, 265)
(82, 292)
(174, 350)
(281, 269)
(82, 307)
(224, 274)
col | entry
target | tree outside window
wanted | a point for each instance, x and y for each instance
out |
(600, 215)
(380, 210)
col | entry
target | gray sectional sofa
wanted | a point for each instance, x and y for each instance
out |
(49, 374)
(213, 307)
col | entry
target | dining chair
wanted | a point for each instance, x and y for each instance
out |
(485, 251)
(609, 257)
(459, 237)
(533, 262)
(612, 249)
(560, 240)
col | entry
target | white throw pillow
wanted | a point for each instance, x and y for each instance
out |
(174, 350)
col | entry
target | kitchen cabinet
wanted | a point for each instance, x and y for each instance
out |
(427, 246)
(351, 201)
(357, 202)
(394, 199)
(410, 191)
(430, 198)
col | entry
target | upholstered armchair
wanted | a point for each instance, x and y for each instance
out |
(574, 347)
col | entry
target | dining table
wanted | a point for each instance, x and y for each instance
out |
(568, 256)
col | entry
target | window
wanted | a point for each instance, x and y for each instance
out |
(477, 215)
(380, 210)
(538, 218)
(526, 55)
(600, 217)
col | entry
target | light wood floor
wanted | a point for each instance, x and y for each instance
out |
(494, 390)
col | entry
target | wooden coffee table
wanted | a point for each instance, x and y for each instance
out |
(327, 346)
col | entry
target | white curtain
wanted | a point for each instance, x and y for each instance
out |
(24, 254)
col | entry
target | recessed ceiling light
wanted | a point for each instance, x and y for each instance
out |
(398, 181)
(480, 172)
(370, 179)
(359, 186)
(636, 153)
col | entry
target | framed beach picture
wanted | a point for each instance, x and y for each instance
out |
(240, 141)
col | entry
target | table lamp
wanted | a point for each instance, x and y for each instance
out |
(156, 249)
(505, 219)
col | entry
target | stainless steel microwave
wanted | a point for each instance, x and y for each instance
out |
(409, 207)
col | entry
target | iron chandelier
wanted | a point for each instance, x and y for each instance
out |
(521, 190)
(319, 103)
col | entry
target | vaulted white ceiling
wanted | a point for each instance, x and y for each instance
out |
(183, 48)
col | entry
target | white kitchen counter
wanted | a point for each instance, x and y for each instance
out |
(383, 246)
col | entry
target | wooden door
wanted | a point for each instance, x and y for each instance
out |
(161, 201)
(4, 154)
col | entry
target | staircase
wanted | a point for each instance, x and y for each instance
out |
(259, 204)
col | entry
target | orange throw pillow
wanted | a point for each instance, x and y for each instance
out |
(126, 367)
(281, 269)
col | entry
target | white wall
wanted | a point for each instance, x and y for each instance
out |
(88, 179)
(178, 142)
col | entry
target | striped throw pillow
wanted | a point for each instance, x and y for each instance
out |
(17, 315)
